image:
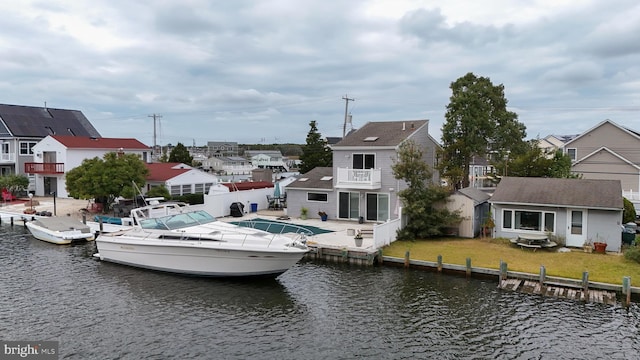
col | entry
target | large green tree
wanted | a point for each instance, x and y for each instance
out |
(423, 201)
(535, 162)
(107, 178)
(477, 123)
(180, 154)
(316, 152)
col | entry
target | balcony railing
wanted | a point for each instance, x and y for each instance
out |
(44, 168)
(369, 179)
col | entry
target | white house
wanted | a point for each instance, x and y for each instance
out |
(55, 155)
(179, 179)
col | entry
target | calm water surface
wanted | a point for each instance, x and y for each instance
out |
(99, 310)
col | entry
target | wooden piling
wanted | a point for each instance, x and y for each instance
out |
(468, 267)
(585, 282)
(439, 263)
(406, 259)
(626, 289)
(543, 274)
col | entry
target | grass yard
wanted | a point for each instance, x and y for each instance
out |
(487, 253)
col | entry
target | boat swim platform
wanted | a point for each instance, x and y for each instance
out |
(560, 291)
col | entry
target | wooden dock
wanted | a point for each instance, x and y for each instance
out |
(344, 255)
(559, 291)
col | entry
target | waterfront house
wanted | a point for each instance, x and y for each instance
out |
(361, 184)
(180, 179)
(54, 155)
(576, 210)
(22, 127)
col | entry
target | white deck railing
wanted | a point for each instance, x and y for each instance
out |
(359, 178)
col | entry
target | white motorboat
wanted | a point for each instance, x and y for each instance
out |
(59, 230)
(173, 238)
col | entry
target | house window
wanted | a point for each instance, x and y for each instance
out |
(199, 188)
(573, 154)
(186, 189)
(26, 147)
(323, 197)
(175, 190)
(364, 161)
(528, 220)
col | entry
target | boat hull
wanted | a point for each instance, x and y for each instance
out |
(198, 258)
(57, 237)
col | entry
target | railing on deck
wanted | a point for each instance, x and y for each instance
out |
(43, 168)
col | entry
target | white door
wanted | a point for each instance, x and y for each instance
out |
(576, 227)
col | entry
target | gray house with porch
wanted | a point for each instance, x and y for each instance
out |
(361, 184)
(576, 210)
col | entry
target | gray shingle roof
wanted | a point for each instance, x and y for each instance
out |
(30, 121)
(603, 194)
(313, 179)
(386, 133)
(478, 196)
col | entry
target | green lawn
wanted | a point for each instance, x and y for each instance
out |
(488, 253)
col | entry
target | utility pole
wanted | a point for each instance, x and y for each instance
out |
(346, 110)
(154, 116)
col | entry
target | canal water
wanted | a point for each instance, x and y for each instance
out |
(99, 310)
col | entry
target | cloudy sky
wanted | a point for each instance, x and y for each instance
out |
(260, 71)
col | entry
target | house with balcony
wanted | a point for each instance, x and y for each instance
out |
(55, 155)
(267, 159)
(22, 127)
(361, 184)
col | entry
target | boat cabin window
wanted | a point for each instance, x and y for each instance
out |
(177, 221)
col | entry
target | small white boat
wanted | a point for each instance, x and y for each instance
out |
(59, 230)
(173, 238)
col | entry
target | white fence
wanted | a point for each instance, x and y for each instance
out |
(219, 204)
(385, 233)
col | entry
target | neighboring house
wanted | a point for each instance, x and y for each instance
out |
(577, 210)
(607, 151)
(474, 210)
(361, 183)
(222, 148)
(22, 127)
(57, 154)
(551, 143)
(179, 179)
(229, 167)
(267, 159)
(479, 171)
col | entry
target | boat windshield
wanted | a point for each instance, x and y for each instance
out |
(177, 221)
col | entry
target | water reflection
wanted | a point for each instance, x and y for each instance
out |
(100, 310)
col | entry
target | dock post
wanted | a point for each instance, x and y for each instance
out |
(468, 267)
(585, 284)
(101, 226)
(84, 219)
(543, 275)
(439, 263)
(11, 221)
(406, 259)
(380, 259)
(626, 289)
(503, 272)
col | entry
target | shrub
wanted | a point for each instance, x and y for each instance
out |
(629, 212)
(633, 253)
